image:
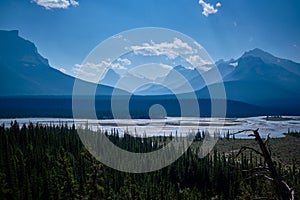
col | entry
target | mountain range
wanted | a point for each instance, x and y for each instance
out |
(256, 83)
(262, 79)
(25, 72)
(190, 78)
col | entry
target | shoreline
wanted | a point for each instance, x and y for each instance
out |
(170, 125)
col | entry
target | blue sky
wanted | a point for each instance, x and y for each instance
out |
(68, 31)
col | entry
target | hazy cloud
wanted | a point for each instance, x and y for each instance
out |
(63, 70)
(151, 71)
(124, 61)
(173, 50)
(168, 67)
(49, 4)
(234, 64)
(208, 8)
(169, 49)
(90, 71)
(199, 62)
(118, 36)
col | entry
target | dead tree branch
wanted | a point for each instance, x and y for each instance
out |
(244, 148)
(284, 191)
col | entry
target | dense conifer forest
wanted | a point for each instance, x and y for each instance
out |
(50, 162)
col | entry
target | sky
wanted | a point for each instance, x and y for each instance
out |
(65, 31)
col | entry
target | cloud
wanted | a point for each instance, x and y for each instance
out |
(118, 36)
(208, 8)
(199, 62)
(62, 70)
(198, 45)
(49, 4)
(168, 67)
(89, 66)
(124, 61)
(152, 71)
(234, 64)
(204, 68)
(118, 66)
(90, 71)
(169, 49)
(176, 48)
(86, 72)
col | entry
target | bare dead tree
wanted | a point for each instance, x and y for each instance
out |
(283, 190)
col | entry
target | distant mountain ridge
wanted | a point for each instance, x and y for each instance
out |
(257, 65)
(256, 80)
(110, 78)
(25, 72)
(262, 79)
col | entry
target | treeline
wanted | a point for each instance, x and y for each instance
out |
(293, 133)
(50, 162)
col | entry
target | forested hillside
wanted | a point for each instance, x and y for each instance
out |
(50, 162)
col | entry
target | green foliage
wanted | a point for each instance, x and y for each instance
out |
(50, 162)
(62, 180)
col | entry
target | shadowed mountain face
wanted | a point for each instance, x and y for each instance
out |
(270, 59)
(25, 72)
(262, 79)
(268, 73)
(258, 65)
(256, 83)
